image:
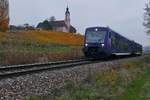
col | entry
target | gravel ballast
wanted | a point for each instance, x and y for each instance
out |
(45, 83)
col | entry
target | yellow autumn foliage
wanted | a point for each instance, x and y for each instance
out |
(19, 47)
(2, 36)
(53, 37)
(4, 15)
(4, 25)
(45, 37)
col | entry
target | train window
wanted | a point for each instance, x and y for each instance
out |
(119, 43)
(117, 40)
(95, 36)
(113, 39)
(123, 44)
(109, 34)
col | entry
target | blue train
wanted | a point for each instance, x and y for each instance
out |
(103, 42)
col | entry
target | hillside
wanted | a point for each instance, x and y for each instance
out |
(21, 47)
(147, 48)
(42, 37)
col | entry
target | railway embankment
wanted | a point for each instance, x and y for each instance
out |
(66, 82)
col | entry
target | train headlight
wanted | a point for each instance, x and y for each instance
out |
(86, 44)
(103, 45)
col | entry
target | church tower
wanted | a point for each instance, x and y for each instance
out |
(67, 18)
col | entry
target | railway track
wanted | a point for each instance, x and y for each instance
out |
(18, 70)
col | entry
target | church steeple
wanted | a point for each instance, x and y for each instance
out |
(67, 17)
(67, 14)
(67, 10)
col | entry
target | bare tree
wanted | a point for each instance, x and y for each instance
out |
(4, 15)
(147, 18)
(52, 18)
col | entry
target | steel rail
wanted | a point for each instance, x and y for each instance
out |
(23, 66)
(18, 70)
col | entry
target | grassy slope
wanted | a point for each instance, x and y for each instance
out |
(42, 37)
(131, 82)
(134, 89)
(37, 45)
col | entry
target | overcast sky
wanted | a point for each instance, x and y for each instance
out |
(123, 16)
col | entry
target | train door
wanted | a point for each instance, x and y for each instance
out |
(113, 43)
(109, 41)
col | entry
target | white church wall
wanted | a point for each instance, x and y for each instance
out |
(61, 29)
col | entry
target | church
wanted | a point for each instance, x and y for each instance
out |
(63, 25)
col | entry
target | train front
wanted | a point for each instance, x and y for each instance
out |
(94, 45)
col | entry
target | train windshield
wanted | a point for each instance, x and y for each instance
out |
(95, 36)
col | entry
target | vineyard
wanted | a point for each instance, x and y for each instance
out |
(21, 47)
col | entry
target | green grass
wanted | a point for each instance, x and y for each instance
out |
(133, 90)
(146, 52)
(131, 82)
(20, 54)
(36, 48)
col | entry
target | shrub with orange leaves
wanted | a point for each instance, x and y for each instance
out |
(4, 25)
(4, 15)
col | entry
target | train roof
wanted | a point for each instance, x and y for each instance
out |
(93, 28)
